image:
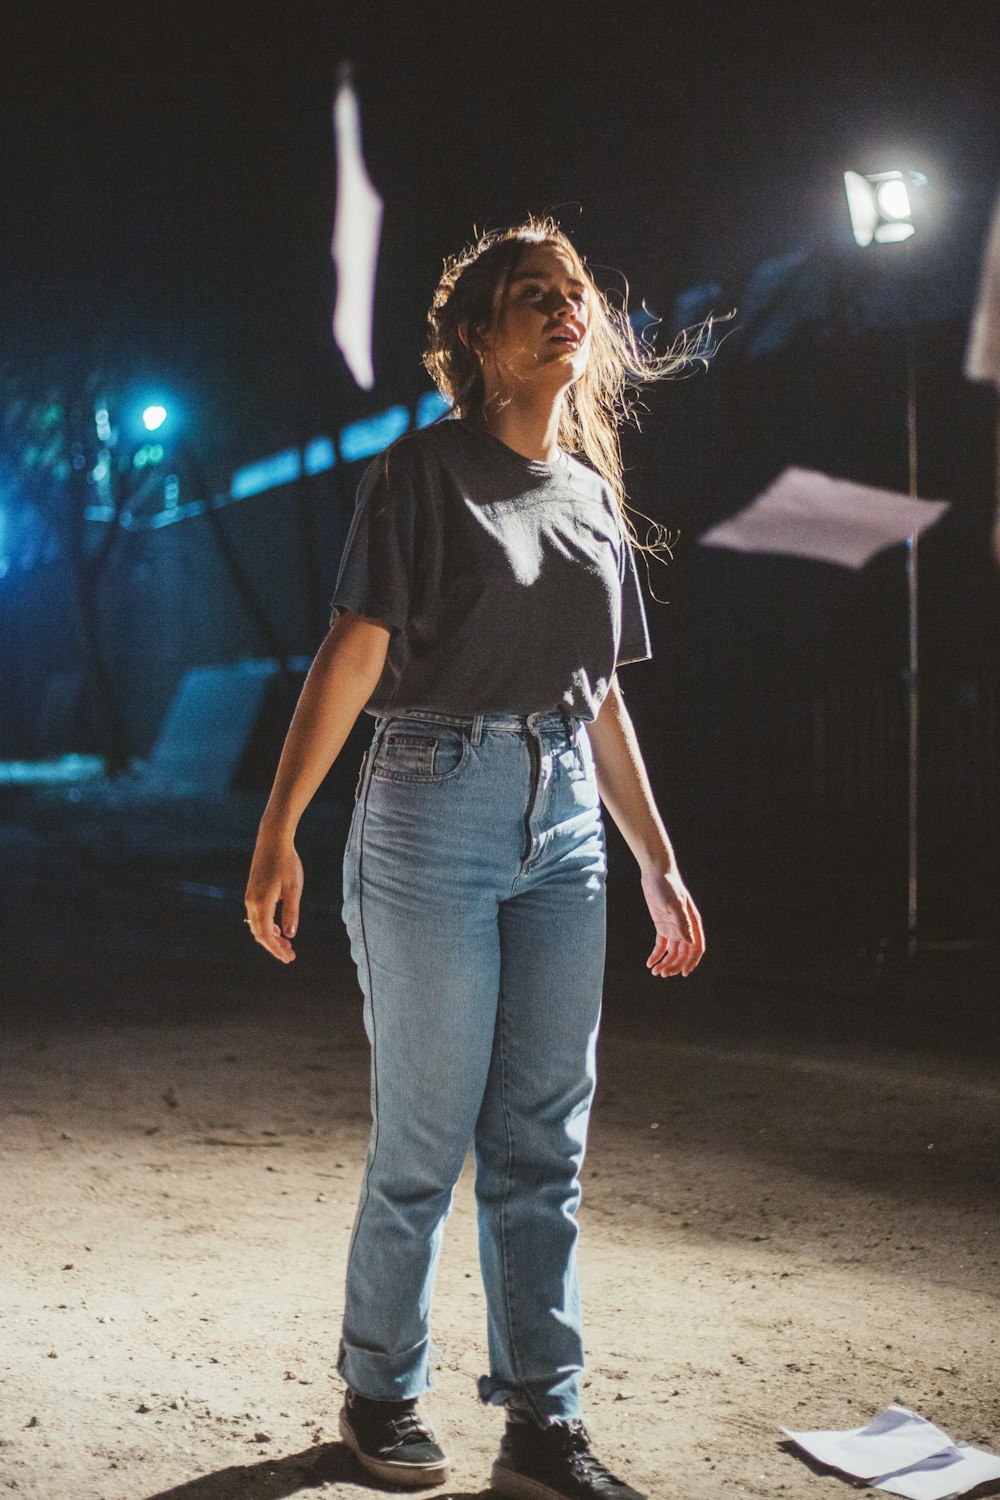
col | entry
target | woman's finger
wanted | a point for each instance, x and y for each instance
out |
(289, 912)
(260, 919)
(659, 948)
(672, 962)
(668, 959)
(668, 950)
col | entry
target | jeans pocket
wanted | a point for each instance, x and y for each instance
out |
(421, 753)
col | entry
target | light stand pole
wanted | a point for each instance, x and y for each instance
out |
(912, 676)
(881, 213)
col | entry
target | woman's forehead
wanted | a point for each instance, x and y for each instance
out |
(546, 260)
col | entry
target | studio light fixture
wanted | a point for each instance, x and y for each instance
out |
(881, 204)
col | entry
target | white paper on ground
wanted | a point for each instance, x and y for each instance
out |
(944, 1474)
(808, 514)
(896, 1439)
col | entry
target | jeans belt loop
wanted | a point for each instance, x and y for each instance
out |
(477, 729)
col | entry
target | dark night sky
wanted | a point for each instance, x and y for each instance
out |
(167, 172)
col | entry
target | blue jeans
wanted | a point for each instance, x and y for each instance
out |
(474, 897)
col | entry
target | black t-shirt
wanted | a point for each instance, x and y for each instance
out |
(509, 584)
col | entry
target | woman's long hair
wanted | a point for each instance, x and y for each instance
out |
(619, 363)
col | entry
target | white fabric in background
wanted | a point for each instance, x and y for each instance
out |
(807, 514)
(982, 358)
(356, 229)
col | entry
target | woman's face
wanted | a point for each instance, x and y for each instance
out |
(542, 334)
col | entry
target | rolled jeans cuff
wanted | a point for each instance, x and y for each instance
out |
(544, 1406)
(387, 1377)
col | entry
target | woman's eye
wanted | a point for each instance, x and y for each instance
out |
(574, 296)
(532, 289)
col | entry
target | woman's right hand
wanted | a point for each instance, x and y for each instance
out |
(339, 683)
(275, 875)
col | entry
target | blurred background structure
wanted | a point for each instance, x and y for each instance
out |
(181, 439)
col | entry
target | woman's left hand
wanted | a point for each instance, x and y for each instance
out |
(680, 937)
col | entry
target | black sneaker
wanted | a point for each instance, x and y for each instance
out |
(390, 1442)
(554, 1463)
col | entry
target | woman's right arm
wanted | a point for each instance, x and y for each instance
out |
(343, 675)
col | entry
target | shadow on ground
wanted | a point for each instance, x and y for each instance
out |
(329, 1463)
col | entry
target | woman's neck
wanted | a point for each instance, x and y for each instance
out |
(529, 429)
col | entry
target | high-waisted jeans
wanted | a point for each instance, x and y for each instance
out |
(474, 897)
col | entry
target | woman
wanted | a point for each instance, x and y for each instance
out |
(486, 596)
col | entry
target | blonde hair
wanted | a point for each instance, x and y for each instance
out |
(601, 399)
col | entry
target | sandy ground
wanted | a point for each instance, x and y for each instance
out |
(790, 1210)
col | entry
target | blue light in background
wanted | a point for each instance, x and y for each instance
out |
(149, 453)
(642, 318)
(359, 440)
(167, 517)
(154, 417)
(431, 406)
(67, 769)
(25, 535)
(694, 304)
(319, 456)
(283, 468)
(368, 437)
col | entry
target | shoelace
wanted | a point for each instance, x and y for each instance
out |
(587, 1466)
(408, 1428)
(581, 1461)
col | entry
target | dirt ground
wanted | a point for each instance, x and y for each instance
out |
(790, 1209)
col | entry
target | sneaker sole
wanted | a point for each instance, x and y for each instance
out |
(416, 1476)
(504, 1481)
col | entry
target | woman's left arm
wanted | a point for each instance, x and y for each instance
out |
(624, 786)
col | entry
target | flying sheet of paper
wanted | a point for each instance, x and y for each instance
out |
(356, 228)
(896, 1439)
(808, 514)
(943, 1475)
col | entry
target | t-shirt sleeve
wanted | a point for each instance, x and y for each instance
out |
(982, 357)
(377, 565)
(634, 643)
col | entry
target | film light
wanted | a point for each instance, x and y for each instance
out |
(881, 204)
